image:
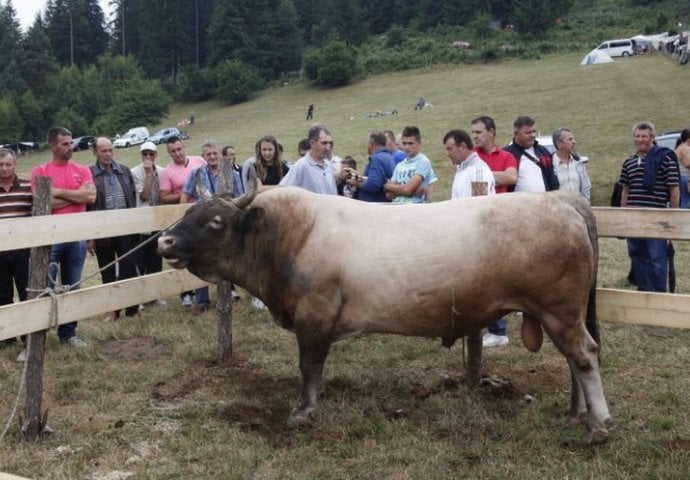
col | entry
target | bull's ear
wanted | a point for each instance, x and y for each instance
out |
(247, 220)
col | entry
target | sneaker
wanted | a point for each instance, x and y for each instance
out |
(187, 301)
(235, 295)
(22, 356)
(490, 340)
(76, 342)
(258, 304)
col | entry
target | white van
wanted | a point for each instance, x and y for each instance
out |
(134, 136)
(623, 47)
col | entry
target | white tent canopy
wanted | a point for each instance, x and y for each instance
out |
(596, 56)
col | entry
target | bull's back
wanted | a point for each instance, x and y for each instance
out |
(419, 269)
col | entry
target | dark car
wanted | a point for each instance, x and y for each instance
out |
(82, 143)
(162, 135)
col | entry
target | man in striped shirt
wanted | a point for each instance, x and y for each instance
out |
(15, 201)
(649, 179)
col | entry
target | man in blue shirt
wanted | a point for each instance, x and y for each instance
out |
(377, 172)
(208, 176)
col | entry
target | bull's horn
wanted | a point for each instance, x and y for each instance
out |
(201, 191)
(252, 189)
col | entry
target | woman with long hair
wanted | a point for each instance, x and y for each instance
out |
(268, 164)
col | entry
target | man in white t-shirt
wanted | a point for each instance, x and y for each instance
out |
(535, 167)
(469, 168)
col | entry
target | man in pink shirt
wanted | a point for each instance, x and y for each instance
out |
(175, 175)
(172, 182)
(72, 188)
(504, 167)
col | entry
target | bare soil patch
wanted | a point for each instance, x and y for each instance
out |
(135, 348)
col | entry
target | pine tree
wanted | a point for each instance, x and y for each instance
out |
(38, 62)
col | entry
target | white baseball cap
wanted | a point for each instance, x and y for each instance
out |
(148, 146)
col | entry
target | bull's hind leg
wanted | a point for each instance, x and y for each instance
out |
(588, 393)
(312, 356)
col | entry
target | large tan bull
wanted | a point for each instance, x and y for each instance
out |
(329, 268)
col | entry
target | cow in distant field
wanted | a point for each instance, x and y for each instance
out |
(329, 268)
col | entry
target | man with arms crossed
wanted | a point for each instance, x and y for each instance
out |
(413, 175)
(72, 189)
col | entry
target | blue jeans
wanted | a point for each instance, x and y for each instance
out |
(202, 297)
(649, 259)
(70, 256)
(499, 327)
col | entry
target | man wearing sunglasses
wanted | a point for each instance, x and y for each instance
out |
(147, 187)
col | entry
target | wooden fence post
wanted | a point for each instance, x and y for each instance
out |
(474, 339)
(34, 422)
(224, 288)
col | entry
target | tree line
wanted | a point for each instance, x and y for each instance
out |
(73, 66)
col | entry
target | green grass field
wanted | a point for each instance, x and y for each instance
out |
(145, 400)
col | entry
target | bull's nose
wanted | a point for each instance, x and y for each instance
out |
(165, 243)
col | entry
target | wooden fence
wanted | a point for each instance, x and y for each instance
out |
(613, 305)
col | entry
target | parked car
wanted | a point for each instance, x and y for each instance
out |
(82, 143)
(21, 147)
(134, 136)
(547, 142)
(622, 47)
(668, 139)
(162, 135)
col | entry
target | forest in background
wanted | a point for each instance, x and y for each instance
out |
(101, 73)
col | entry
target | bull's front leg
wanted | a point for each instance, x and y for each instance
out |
(313, 351)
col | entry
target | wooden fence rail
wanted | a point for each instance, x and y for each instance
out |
(613, 305)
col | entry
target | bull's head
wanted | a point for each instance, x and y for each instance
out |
(210, 232)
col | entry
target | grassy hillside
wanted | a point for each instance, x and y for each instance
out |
(599, 103)
(146, 399)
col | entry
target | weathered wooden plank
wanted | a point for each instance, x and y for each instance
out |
(37, 231)
(33, 315)
(643, 223)
(643, 308)
(31, 232)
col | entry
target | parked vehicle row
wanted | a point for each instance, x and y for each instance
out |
(138, 135)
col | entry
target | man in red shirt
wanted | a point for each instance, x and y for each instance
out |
(504, 167)
(72, 188)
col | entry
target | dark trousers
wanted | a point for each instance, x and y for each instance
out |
(109, 249)
(14, 271)
(148, 261)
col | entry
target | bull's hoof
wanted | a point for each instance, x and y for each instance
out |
(598, 436)
(301, 418)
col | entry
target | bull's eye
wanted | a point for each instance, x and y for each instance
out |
(216, 223)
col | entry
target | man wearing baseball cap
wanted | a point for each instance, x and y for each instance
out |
(146, 184)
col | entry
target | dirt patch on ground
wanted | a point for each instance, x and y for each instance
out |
(135, 348)
(679, 445)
